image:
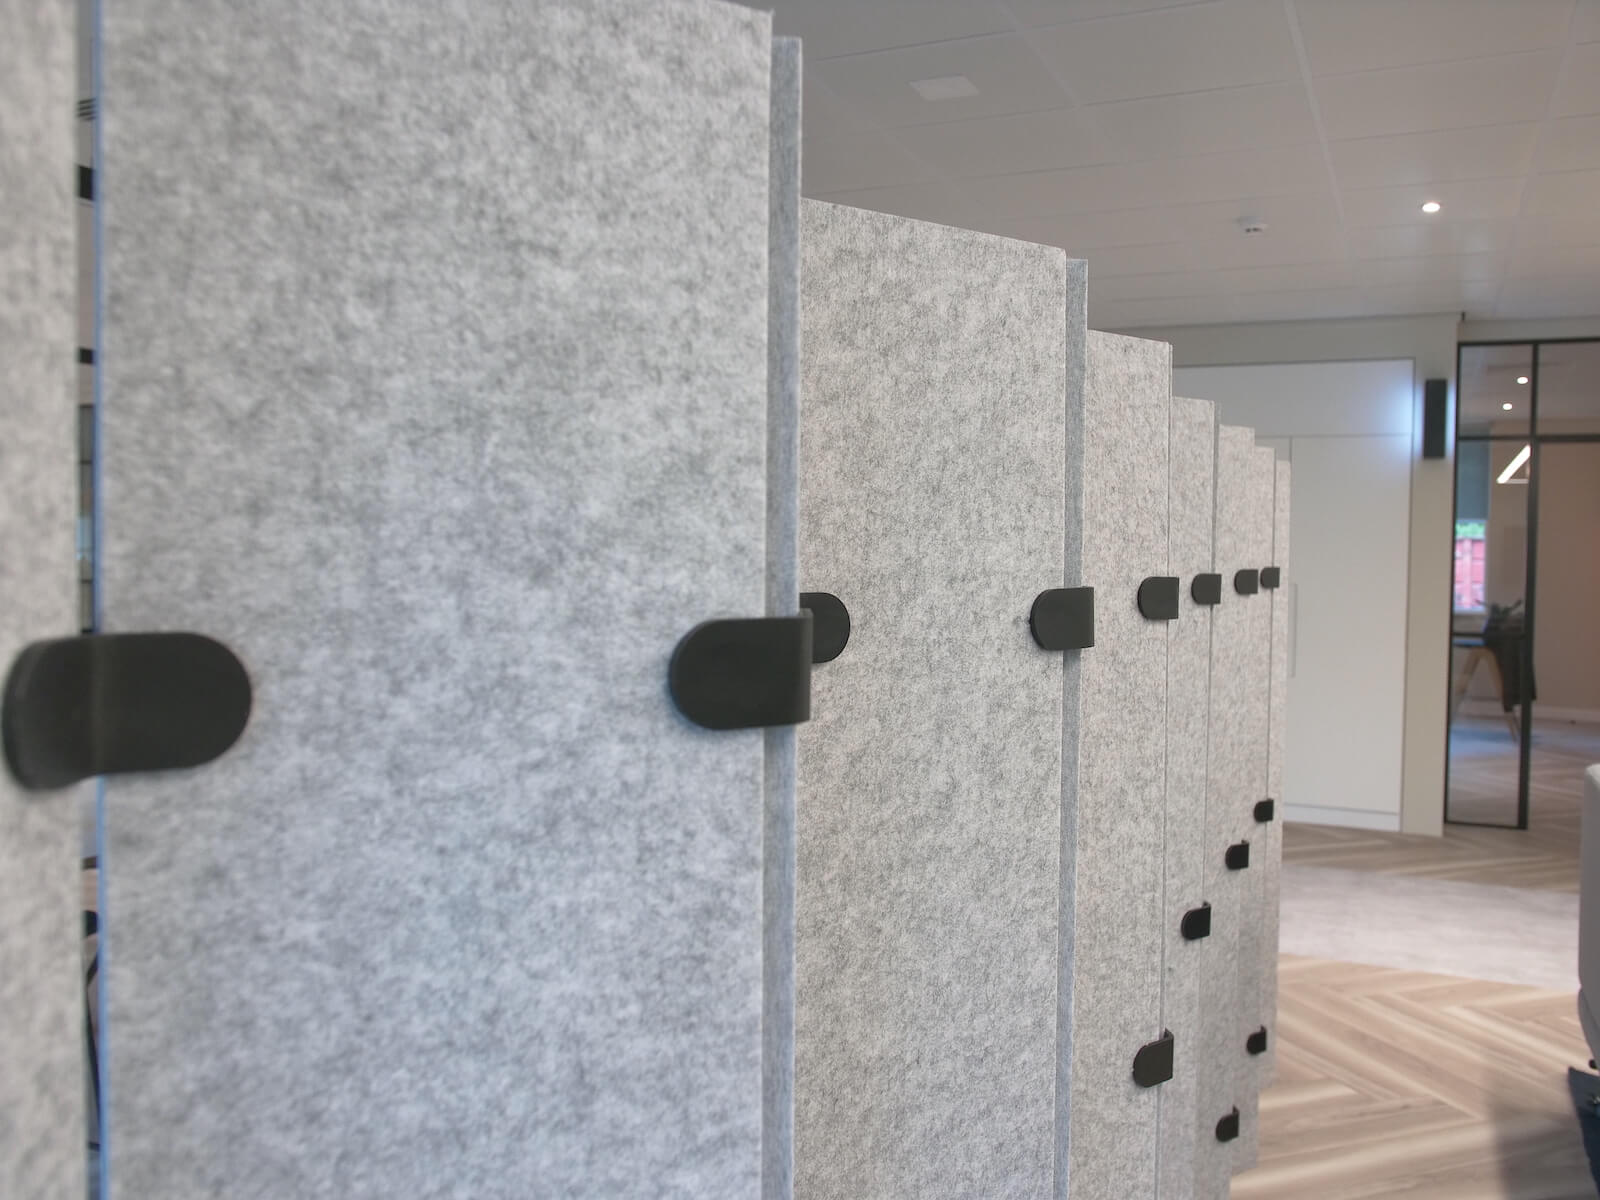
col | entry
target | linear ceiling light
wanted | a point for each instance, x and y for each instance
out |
(1516, 465)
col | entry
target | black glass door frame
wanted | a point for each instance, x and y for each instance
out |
(1534, 439)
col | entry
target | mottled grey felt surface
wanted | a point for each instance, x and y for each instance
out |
(1223, 1080)
(1192, 474)
(1113, 907)
(935, 368)
(1256, 655)
(441, 396)
(42, 1128)
(1277, 716)
(783, 598)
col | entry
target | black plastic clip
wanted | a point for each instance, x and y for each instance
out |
(107, 704)
(1196, 923)
(744, 673)
(1158, 598)
(1256, 1043)
(1153, 1063)
(1206, 589)
(1248, 582)
(830, 625)
(1265, 811)
(1238, 856)
(1063, 618)
(1228, 1127)
(1271, 577)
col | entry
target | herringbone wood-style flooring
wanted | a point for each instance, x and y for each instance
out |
(1397, 1083)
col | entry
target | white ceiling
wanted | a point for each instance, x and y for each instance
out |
(1139, 133)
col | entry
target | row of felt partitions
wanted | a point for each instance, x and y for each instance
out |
(451, 418)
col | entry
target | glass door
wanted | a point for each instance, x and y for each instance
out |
(1525, 644)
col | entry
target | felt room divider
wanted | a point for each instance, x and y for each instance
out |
(1234, 690)
(981, 862)
(938, 369)
(42, 1130)
(1277, 716)
(1254, 547)
(1187, 911)
(442, 398)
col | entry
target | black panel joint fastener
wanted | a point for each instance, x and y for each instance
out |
(830, 625)
(1238, 856)
(85, 183)
(1228, 1127)
(1206, 589)
(1271, 577)
(744, 673)
(1158, 598)
(111, 703)
(1063, 618)
(1265, 811)
(1256, 1043)
(1196, 923)
(1153, 1063)
(1247, 582)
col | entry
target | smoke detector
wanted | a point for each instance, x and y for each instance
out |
(1249, 226)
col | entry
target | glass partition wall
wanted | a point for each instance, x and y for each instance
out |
(1525, 645)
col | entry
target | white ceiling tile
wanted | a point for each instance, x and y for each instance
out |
(1586, 24)
(1008, 76)
(1055, 12)
(1537, 262)
(1486, 152)
(1578, 89)
(1542, 233)
(1288, 277)
(1486, 91)
(1537, 298)
(1230, 43)
(1569, 196)
(866, 159)
(1126, 227)
(833, 27)
(1038, 141)
(1317, 304)
(1245, 176)
(923, 202)
(1175, 310)
(1299, 228)
(1105, 262)
(1395, 272)
(1463, 200)
(1420, 240)
(1434, 295)
(1247, 118)
(1365, 35)
(1165, 286)
(1569, 144)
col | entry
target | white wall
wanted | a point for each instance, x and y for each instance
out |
(1347, 428)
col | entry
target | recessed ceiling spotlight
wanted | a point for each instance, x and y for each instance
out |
(1432, 206)
(946, 87)
(1506, 406)
(1522, 379)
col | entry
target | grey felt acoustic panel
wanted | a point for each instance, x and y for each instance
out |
(1277, 714)
(783, 598)
(1113, 831)
(939, 366)
(1223, 1078)
(1192, 474)
(42, 1128)
(442, 397)
(1254, 546)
